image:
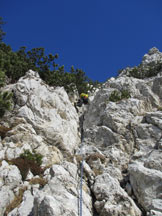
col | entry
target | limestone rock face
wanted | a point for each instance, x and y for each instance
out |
(127, 131)
(60, 195)
(116, 140)
(10, 175)
(48, 110)
(145, 178)
(153, 56)
(111, 198)
(26, 206)
(44, 120)
(146, 185)
(151, 64)
(10, 178)
(7, 196)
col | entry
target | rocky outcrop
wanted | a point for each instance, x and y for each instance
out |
(60, 195)
(111, 198)
(146, 184)
(120, 149)
(43, 120)
(128, 132)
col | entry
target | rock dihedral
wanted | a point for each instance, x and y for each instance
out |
(122, 148)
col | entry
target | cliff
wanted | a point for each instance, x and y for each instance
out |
(119, 136)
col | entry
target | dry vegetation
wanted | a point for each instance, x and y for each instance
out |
(3, 131)
(25, 165)
(16, 201)
(95, 156)
(41, 181)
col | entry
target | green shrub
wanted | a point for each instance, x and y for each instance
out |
(5, 102)
(117, 96)
(147, 71)
(125, 94)
(2, 78)
(28, 161)
(135, 72)
(37, 158)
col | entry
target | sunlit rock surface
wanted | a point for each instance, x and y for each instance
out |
(121, 147)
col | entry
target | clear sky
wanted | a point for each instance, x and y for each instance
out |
(98, 36)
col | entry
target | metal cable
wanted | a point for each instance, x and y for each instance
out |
(81, 168)
(81, 186)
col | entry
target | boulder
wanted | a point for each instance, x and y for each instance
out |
(146, 184)
(10, 175)
(112, 199)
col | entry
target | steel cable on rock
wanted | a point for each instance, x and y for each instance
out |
(81, 168)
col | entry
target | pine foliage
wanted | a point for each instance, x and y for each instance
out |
(5, 102)
(14, 64)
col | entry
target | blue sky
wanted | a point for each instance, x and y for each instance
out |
(98, 36)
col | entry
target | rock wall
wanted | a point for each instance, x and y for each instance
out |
(121, 148)
(43, 120)
(128, 134)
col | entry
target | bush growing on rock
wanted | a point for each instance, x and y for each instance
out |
(29, 161)
(115, 96)
(119, 95)
(5, 102)
(32, 156)
(125, 94)
(144, 71)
